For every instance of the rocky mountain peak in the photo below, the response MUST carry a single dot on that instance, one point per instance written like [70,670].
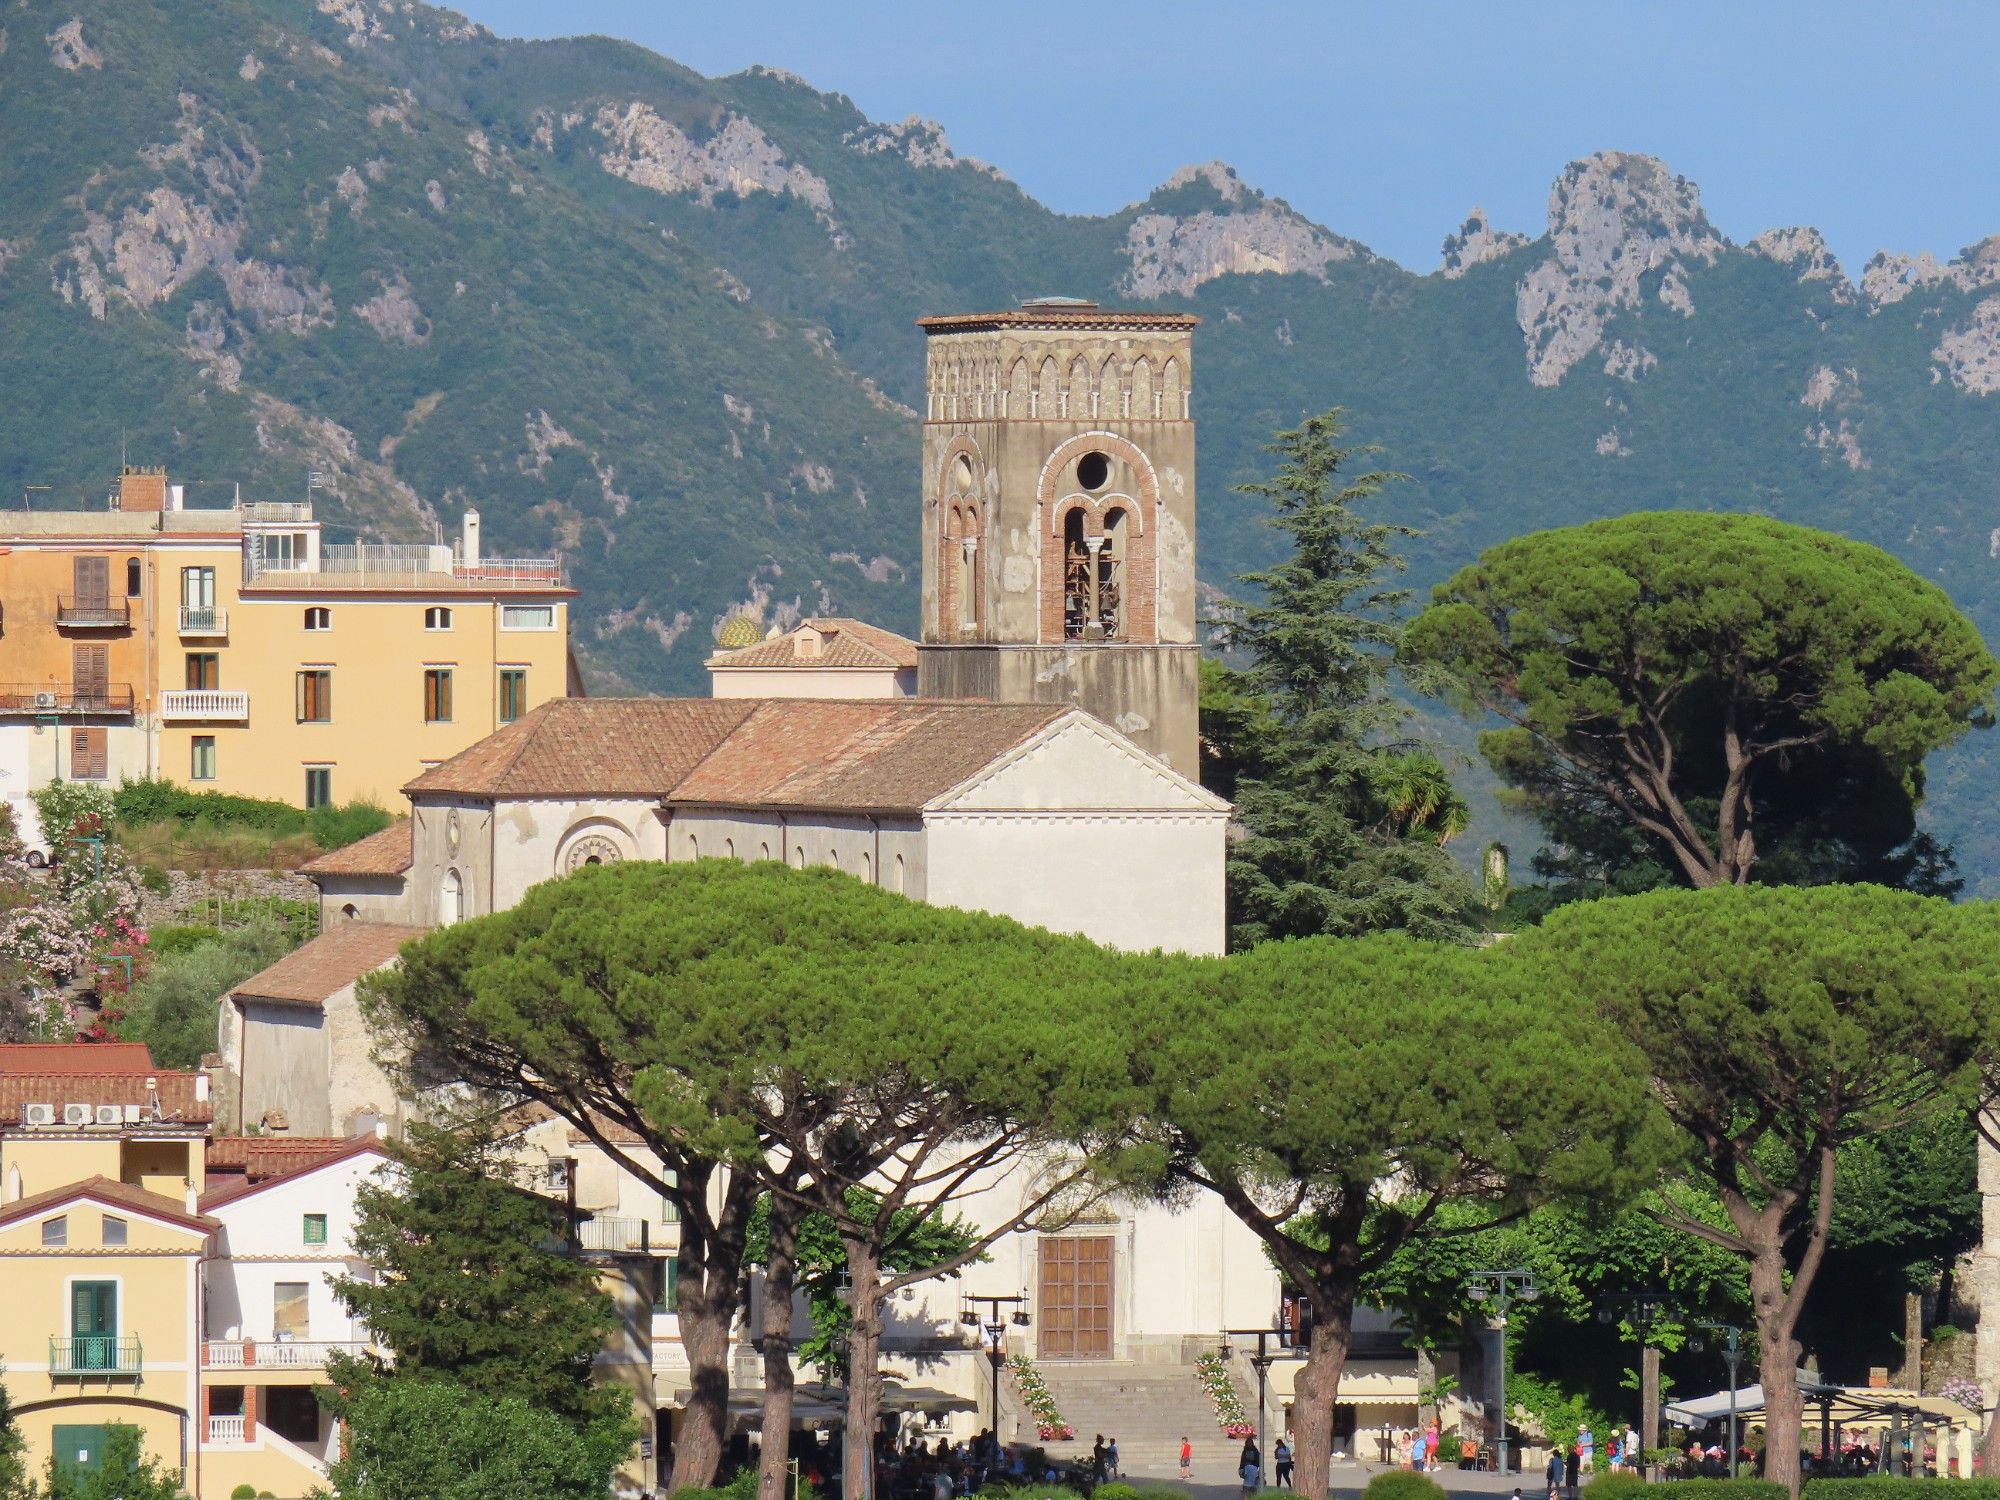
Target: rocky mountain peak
[1477,242]
[1217,174]
[1173,251]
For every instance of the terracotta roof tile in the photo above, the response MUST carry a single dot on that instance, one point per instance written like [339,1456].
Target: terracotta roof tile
[75,1057]
[267,1155]
[337,957]
[178,1104]
[868,754]
[113,1195]
[847,644]
[605,747]
[243,1187]
[386,852]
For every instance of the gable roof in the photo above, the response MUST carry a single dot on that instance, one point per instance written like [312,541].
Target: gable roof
[112,1195]
[233,1192]
[314,971]
[385,852]
[48,1058]
[180,1103]
[256,1157]
[604,747]
[845,644]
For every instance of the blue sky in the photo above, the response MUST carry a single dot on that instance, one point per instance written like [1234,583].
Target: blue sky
[1386,122]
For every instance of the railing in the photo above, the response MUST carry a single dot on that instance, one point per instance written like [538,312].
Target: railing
[205,703]
[610,1234]
[64,698]
[111,614]
[276,510]
[383,557]
[519,572]
[276,1354]
[204,619]
[227,1429]
[81,1356]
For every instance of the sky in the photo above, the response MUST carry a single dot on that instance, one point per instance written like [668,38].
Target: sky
[1388,121]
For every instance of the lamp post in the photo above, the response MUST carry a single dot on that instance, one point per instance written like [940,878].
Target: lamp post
[1731,1352]
[995,1328]
[1261,1362]
[1503,1289]
[1642,1310]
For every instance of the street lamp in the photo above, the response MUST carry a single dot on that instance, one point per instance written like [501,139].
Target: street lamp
[1642,1310]
[1731,1352]
[995,1328]
[1261,1362]
[1503,1289]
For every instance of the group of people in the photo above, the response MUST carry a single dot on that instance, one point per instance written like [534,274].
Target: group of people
[1250,1465]
[1570,1462]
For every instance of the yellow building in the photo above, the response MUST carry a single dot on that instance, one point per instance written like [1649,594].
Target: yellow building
[235,650]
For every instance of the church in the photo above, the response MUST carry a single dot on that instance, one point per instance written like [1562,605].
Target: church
[1043,724]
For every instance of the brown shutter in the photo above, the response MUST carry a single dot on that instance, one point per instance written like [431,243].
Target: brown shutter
[91,667]
[89,755]
[92,576]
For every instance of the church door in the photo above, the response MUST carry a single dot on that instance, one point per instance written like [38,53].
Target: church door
[1075,1310]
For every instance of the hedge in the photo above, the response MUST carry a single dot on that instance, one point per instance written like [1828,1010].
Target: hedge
[1887,1487]
[141,802]
[1403,1484]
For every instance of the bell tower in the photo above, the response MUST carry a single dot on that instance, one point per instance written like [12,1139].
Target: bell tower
[1059,516]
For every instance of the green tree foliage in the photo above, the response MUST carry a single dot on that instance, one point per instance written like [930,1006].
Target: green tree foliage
[1347,1098]
[332,827]
[1778,1025]
[1675,670]
[124,1473]
[1346,823]
[433,1439]
[471,1285]
[173,1009]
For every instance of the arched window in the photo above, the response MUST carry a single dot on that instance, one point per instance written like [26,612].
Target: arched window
[1079,404]
[134,578]
[833,858]
[1142,390]
[1111,575]
[968,574]
[1047,404]
[729,848]
[1078,585]
[451,895]
[1019,402]
[693,847]
[896,876]
[798,856]
[867,870]
[1111,390]
[764,850]
[349,912]
[1173,404]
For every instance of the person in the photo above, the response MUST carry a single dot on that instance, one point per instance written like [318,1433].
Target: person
[1571,1462]
[1249,1473]
[1431,1439]
[1635,1457]
[1586,1446]
[1614,1455]
[1250,1455]
[1282,1454]
[1097,1459]
[941,1486]
[1555,1474]
[1111,1458]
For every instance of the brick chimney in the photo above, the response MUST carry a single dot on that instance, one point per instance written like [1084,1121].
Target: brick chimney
[142,489]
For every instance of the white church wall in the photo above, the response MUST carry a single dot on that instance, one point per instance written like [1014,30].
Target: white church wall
[888,852]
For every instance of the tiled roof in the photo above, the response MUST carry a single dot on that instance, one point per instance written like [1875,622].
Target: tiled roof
[309,974]
[230,1191]
[75,1057]
[846,644]
[178,1104]
[260,1156]
[604,747]
[1058,315]
[384,853]
[113,1195]
[870,754]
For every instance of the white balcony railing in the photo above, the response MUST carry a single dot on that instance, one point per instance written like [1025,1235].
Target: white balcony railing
[204,619]
[276,1354]
[205,703]
[605,1233]
[226,1429]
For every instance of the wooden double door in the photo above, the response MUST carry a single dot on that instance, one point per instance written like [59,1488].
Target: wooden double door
[1074,1305]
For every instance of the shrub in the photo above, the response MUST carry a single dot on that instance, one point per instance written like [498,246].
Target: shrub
[1730,1489]
[1115,1491]
[1401,1484]
[244,1492]
[140,803]
[173,1009]
[1616,1486]
[1887,1487]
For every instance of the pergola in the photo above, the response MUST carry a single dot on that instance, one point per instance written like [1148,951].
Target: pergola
[1883,1411]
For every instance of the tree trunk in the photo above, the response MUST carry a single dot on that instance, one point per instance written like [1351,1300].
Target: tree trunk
[1913,1342]
[864,1376]
[1649,1402]
[1989,1447]
[1316,1388]
[780,1272]
[1778,1364]
[704,1319]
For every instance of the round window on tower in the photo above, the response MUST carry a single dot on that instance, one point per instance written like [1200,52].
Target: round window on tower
[1093,471]
[961,475]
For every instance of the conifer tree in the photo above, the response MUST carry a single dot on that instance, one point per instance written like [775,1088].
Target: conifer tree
[1346,821]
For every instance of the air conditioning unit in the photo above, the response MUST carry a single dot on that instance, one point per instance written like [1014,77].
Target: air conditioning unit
[110,1114]
[78,1114]
[134,1113]
[45,700]
[38,1114]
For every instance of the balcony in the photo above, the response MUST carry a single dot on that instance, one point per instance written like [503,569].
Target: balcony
[606,1235]
[82,613]
[65,698]
[275,1354]
[227,1429]
[206,704]
[204,619]
[94,1356]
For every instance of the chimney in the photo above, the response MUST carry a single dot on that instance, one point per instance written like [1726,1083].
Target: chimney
[176,497]
[201,1088]
[469,551]
[142,489]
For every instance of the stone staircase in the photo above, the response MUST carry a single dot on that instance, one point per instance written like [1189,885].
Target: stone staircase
[1149,1408]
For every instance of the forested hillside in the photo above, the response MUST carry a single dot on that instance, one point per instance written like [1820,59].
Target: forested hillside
[664,323]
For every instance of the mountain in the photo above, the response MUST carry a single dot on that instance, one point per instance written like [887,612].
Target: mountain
[663,323]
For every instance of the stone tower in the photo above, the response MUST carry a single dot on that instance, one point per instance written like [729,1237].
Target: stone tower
[1059,517]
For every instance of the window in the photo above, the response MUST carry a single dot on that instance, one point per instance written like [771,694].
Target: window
[93,1324]
[315,696]
[513,693]
[437,695]
[90,578]
[451,898]
[201,758]
[319,787]
[527,617]
[135,578]
[116,1231]
[204,671]
[289,1318]
[90,669]
[437,617]
[89,755]
[315,1227]
[667,1286]
[319,617]
[197,588]
[55,1231]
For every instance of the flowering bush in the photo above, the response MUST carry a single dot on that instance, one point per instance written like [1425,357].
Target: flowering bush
[1040,1401]
[1965,1392]
[1212,1371]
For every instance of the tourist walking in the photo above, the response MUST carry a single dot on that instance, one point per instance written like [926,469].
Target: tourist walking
[1187,1460]
[1555,1474]
[1097,1459]
[1250,1473]
[1111,1459]
[1282,1456]
[1574,1461]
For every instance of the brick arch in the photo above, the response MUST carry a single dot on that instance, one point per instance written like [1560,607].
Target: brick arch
[1139,604]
